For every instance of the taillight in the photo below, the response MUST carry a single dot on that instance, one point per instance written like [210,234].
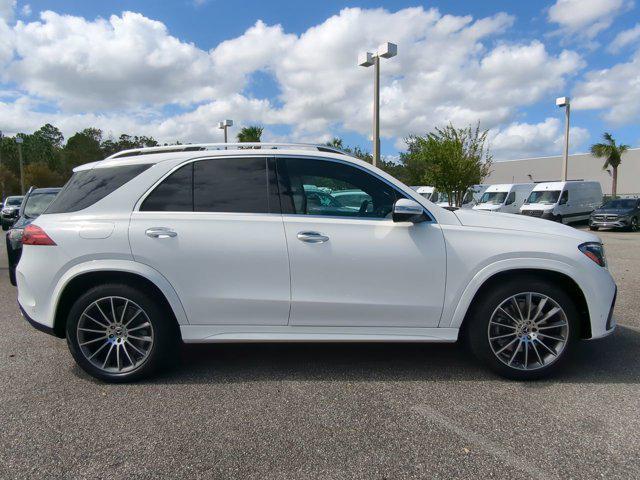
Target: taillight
[34,235]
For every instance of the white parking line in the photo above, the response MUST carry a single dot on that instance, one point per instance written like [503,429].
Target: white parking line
[498,450]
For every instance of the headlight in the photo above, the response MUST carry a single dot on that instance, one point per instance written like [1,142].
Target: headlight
[595,252]
[16,234]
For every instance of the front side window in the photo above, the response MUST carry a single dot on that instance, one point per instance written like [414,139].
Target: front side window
[231,185]
[565,197]
[323,187]
[87,187]
[511,198]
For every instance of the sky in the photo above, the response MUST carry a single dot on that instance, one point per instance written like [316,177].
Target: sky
[173,69]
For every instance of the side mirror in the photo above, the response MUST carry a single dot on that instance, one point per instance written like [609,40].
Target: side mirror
[406,210]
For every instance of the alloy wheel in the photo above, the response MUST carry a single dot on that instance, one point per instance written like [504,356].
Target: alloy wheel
[528,331]
[115,334]
[634,224]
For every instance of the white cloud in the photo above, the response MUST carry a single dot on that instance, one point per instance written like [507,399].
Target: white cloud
[7,10]
[624,38]
[117,74]
[586,18]
[520,140]
[615,89]
[25,11]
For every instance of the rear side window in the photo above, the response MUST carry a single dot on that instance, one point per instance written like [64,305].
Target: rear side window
[231,185]
[87,187]
[174,194]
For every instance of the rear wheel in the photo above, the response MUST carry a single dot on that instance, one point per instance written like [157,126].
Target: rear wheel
[524,329]
[633,226]
[117,333]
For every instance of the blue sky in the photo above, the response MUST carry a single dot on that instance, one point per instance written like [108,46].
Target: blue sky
[172,69]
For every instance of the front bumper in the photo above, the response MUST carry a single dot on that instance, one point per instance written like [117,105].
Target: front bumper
[620,223]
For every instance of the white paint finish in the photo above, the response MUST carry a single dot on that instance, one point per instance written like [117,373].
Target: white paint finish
[369,273]
[229,275]
[291,333]
[515,195]
[582,199]
[94,230]
[227,268]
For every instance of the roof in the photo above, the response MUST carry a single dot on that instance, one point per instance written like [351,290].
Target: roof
[159,154]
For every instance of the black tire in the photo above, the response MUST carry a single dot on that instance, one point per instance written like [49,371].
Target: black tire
[5,226]
[477,330]
[633,227]
[595,229]
[165,332]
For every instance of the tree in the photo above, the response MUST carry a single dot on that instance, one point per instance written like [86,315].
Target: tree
[250,134]
[50,134]
[41,176]
[448,158]
[612,153]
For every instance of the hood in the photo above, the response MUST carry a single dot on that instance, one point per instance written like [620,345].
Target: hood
[613,211]
[508,221]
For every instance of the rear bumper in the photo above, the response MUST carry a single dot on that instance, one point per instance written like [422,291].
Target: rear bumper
[36,325]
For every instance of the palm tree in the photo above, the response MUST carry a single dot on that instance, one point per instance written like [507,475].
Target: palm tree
[250,134]
[612,154]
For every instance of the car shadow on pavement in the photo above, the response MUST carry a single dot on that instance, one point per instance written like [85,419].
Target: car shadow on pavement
[611,360]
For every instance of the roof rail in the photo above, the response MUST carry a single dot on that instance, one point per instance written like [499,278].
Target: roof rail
[223,146]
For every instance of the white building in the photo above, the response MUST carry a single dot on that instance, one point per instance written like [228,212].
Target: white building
[582,166]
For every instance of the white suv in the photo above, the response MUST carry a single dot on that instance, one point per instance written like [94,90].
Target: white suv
[211,243]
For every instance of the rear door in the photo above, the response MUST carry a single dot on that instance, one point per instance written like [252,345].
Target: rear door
[213,228]
[352,266]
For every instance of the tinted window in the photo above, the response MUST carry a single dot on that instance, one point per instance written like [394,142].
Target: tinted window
[620,203]
[314,187]
[511,198]
[13,201]
[239,185]
[546,197]
[86,187]
[174,194]
[565,197]
[231,185]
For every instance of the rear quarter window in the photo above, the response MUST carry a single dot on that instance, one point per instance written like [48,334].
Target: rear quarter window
[87,187]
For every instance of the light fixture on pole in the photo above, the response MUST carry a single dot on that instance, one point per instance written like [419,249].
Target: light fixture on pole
[565,102]
[368,59]
[223,126]
[19,141]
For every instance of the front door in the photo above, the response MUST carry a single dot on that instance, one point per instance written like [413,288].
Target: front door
[213,229]
[351,265]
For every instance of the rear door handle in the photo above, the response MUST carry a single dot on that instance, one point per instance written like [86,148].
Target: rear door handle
[312,237]
[160,232]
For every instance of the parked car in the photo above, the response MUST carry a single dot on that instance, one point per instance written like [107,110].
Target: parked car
[564,202]
[617,213]
[10,209]
[150,247]
[35,202]
[506,198]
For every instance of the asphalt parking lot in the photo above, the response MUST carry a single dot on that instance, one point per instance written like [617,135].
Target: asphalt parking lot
[325,411]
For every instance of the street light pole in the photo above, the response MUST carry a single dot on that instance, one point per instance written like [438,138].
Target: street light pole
[223,126]
[566,103]
[19,141]
[368,59]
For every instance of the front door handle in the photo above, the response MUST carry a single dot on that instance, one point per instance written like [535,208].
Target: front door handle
[312,237]
[160,232]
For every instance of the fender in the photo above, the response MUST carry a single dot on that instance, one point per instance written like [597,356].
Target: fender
[127,266]
[488,271]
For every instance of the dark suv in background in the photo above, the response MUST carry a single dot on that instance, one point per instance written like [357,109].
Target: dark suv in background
[35,202]
[617,213]
[10,209]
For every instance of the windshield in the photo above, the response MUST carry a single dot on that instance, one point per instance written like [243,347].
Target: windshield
[13,201]
[37,203]
[546,197]
[620,203]
[493,198]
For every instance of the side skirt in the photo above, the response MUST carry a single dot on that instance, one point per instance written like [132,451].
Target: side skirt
[289,333]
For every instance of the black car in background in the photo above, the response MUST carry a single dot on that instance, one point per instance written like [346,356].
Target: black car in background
[10,209]
[617,213]
[35,202]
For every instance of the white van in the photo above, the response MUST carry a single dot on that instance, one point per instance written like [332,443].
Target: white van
[565,202]
[473,195]
[425,190]
[506,198]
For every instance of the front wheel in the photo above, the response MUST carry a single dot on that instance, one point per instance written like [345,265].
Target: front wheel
[595,229]
[117,333]
[633,227]
[523,330]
